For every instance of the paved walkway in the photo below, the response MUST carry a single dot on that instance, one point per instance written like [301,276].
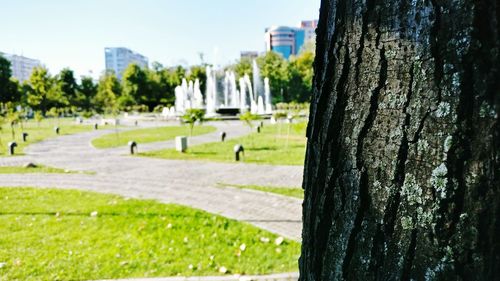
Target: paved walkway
[190,183]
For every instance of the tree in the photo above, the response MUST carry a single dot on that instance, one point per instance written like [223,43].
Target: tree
[199,72]
[161,87]
[108,91]
[273,66]
[8,87]
[192,116]
[402,165]
[244,66]
[300,77]
[38,116]
[12,117]
[67,85]
[40,92]
[134,87]
[248,118]
[85,93]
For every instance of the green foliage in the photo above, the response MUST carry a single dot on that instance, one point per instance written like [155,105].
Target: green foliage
[86,93]
[300,71]
[248,118]
[289,81]
[67,86]
[53,112]
[135,88]
[44,92]
[108,91]
[192,116]
[198,72]
[9,91]
[12,118]
[242,67]
[38,116]
[76,235]
[274,66]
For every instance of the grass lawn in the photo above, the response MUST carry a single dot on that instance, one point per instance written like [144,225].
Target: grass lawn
[27,170]
[296,192]
[148,135]
[50,234]
[272,146]
[38,132]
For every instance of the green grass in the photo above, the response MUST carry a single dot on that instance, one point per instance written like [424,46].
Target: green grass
[50,234]
[148,135]
[38,132]
[27,170]
[271,146]
[296,192]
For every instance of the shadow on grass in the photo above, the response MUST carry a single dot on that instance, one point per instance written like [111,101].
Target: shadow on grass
[201,153]
[81,214]
[264,148]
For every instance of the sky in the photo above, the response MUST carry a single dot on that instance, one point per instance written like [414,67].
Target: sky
[74,33]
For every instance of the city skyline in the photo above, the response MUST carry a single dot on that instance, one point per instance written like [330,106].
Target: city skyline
[74,35]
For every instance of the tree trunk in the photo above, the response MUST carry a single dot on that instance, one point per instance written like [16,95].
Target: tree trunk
[402,169]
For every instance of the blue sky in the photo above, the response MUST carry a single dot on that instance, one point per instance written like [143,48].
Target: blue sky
[73,33]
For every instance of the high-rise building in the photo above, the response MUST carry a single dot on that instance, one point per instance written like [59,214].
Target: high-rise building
[117,60]
[21,66]
[309,27]
[287,40]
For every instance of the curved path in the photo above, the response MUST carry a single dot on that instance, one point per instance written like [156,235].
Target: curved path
[190,183]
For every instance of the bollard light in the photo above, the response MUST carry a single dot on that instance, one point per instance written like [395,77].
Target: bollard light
[223,136]
[12,146]
[133,147]
[25,136]
[237,150]
[56,129]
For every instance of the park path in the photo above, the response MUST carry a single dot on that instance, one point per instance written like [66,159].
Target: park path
[190,183]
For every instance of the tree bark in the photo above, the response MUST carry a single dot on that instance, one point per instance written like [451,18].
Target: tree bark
[402,168]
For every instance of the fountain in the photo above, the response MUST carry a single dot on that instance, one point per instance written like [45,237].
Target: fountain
[243,96]
[251,95]
[210,92]
[267,95]
[197,95]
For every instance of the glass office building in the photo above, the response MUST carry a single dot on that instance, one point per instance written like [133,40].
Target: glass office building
[288,41]
[117,60]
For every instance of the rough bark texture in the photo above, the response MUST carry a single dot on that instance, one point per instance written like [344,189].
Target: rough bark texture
[402,169]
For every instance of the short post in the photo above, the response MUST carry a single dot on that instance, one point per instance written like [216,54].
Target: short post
[133,147]
[258,129]
[56,129]
[12,145]
[223,136]
[262,124]
[136,123]
[96,126]
[181,143]
[25,136]
[237,150]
